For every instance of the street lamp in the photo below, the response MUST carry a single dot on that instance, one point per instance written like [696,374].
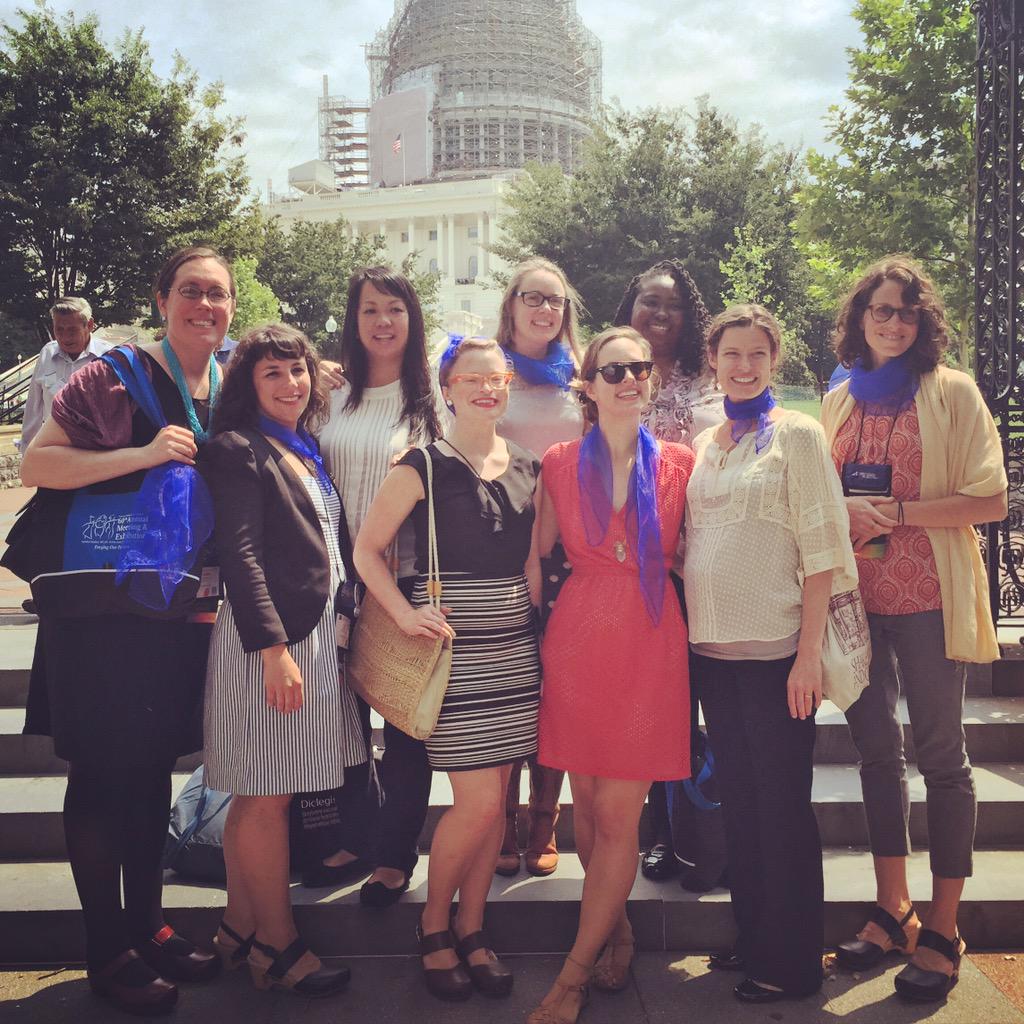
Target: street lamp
[331,327]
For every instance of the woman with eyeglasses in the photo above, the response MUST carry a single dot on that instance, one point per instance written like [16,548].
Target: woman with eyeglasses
[766,545]
[537,328]
[664,304]
[483,496]
[388,402]
[921,464]
[121,694]
[615,707]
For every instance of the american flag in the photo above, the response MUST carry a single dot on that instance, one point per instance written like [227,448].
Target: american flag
[396,146]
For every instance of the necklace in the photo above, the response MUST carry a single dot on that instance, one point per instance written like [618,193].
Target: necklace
[466,461]
[201,435]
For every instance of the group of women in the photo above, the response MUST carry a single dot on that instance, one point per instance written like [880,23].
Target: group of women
[706,529]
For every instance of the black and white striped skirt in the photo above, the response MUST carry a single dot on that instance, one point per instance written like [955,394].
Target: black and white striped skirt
[489,715]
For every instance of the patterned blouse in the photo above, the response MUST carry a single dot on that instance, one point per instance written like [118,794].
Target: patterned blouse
[906,580]
[683,406]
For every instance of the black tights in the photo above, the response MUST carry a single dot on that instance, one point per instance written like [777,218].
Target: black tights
[115,825]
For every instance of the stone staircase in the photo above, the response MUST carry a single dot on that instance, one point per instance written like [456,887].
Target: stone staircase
[40,921]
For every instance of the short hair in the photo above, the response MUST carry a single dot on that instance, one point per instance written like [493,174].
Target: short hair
[165,275]
[239,407]
[918,290]
[588,368]
[447,367]
[417,390]
[745,314]
[570,314]
[71,305]
[689,354]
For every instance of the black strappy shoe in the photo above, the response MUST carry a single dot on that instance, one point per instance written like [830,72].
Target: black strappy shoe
[295,969]
[859,954]
[921,986]
[231,947]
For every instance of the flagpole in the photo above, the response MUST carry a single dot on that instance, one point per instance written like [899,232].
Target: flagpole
[403,166]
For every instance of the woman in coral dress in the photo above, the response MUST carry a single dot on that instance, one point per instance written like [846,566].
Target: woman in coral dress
[615,705]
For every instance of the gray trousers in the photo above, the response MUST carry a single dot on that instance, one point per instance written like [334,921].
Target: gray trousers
[934,688]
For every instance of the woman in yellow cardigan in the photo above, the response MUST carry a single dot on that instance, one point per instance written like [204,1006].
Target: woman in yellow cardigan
[921,463]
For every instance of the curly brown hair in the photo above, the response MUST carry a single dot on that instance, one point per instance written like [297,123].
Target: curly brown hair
[239,407]
[696,318]
[918,290]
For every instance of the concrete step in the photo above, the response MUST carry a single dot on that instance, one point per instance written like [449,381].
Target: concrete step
[31,809]
[40,919]
[994,728]
[1008,672]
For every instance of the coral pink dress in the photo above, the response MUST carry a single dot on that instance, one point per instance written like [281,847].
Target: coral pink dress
[616,694]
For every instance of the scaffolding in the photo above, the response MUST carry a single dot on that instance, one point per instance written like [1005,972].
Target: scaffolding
[343,140]
[514,81]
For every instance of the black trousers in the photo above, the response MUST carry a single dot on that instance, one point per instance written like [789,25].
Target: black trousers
[764,763]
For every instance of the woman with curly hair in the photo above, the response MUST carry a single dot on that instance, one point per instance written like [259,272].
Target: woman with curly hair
[664,304]
[921,463]
[279,719]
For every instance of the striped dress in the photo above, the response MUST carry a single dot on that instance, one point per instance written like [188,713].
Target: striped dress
[254,750]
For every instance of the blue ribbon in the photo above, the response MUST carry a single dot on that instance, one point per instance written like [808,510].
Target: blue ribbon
[743,415]
[556,368]
[300,443]
[643,530]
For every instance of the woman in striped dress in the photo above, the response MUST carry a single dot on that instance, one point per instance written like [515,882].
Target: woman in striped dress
[483,493]
[278,719]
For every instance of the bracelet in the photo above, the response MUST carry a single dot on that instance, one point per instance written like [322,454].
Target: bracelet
[899,514]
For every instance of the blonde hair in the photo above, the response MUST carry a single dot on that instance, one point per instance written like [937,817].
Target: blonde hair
[446,369]
[588,367]
[570,314]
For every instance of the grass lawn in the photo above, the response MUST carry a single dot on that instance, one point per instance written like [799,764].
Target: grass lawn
[811,406]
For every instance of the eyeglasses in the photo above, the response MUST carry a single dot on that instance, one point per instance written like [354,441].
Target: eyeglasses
[882,313]
[497,381]
[217,296]
[539,298]
[615,373]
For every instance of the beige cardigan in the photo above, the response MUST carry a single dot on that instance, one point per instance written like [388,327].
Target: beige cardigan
[961,454]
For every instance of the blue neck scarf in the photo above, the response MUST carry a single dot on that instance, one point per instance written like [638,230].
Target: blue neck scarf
[889,389]
[643,531]
[300,443]
[556,368]
[744,415]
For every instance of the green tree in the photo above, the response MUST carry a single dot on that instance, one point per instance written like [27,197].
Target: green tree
[257,304]
[653,185]
[903,178]
[308,267]
[104,166]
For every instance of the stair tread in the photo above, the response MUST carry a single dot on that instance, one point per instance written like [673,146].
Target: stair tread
[833,783]
[48,885]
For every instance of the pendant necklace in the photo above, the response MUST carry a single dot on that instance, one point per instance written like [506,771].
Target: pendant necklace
[178,374]
[619,546]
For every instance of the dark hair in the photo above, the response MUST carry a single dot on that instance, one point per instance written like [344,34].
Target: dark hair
[696,319]
[588,369]
[238,406]
[571,314]
[918,290]
[746,314]
[165,276]
[417,389]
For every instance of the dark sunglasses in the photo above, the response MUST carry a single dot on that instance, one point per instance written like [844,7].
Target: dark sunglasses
[615,373]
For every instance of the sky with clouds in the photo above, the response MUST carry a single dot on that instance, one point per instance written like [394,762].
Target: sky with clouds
[779,63]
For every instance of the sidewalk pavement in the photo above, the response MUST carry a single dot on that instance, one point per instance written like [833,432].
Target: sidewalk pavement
[666,989]
[12,590]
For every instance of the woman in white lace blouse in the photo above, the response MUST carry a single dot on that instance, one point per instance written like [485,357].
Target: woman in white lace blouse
[766,544]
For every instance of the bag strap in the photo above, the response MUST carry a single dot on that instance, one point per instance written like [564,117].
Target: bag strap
[433,568]
[137,383]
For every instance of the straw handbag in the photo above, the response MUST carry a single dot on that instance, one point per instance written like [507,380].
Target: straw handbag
[403,677]
[846,650]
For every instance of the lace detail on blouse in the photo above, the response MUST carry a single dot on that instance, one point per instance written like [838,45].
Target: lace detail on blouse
[682,407]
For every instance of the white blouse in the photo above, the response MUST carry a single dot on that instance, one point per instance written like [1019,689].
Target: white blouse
[756,524]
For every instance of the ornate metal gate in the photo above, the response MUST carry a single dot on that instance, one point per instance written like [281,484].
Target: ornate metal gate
[999,275]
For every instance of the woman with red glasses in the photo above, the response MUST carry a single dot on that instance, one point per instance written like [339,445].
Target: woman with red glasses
[921,463]
[615,709]
[537,328]
[483,496]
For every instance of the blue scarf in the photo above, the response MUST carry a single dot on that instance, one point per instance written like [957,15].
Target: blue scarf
[745,414]
[643,531]
[556,368]
[889,389]
[300,443]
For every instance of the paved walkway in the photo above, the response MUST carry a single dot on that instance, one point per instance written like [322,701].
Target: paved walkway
[12,590]
[666,989]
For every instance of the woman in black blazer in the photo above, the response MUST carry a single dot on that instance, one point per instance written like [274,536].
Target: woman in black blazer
[278,719]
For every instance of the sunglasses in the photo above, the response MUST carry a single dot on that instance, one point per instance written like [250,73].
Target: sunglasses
[615,373]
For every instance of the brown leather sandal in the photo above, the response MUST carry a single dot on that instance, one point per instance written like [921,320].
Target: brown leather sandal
[610,973]
[492,978]
[554,1009]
